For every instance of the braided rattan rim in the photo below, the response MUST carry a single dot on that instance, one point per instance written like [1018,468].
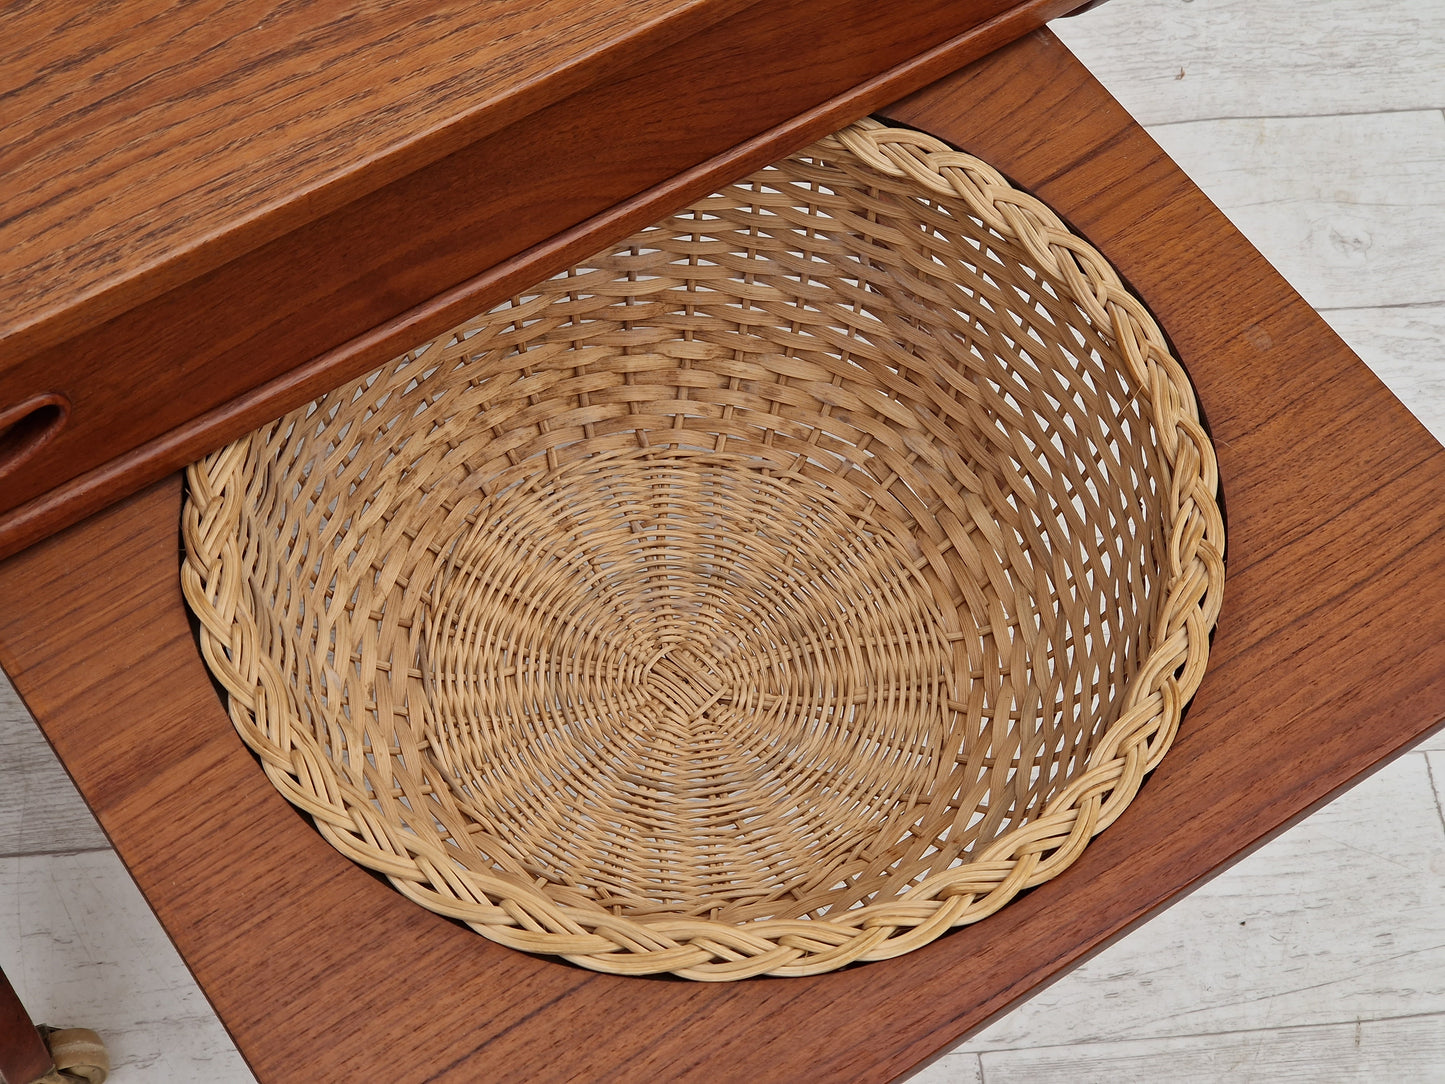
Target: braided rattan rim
[534,916]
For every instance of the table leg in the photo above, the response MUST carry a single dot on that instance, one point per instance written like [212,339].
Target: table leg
[23,1055]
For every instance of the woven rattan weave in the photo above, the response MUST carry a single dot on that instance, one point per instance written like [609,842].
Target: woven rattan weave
[802,578]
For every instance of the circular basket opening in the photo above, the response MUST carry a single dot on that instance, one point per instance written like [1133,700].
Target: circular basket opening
[800,579]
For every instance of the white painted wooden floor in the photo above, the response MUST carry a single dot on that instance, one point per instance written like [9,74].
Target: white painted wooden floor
[1319,129]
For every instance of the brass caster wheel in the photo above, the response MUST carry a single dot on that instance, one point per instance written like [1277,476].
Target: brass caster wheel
[78,1054]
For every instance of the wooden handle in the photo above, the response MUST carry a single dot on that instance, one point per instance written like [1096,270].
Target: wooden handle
[29,425]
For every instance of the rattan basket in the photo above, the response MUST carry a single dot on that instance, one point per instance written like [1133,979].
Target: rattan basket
[802,578]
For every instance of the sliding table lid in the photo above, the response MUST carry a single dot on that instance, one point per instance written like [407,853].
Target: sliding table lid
[144,142]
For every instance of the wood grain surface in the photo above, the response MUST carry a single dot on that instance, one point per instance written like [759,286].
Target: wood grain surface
[1329,657]
[186,258]
[150,141]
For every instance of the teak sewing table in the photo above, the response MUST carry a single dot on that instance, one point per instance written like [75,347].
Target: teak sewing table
[1328,659]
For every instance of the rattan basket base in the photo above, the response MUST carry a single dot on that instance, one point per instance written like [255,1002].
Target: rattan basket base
[799,580]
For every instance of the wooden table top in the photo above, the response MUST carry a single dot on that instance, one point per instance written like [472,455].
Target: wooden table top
[1329,657]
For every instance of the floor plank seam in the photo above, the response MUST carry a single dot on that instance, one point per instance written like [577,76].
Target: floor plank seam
[1368,308]
[1434,789]
[1273,1029]
[1152,125]
[67,852]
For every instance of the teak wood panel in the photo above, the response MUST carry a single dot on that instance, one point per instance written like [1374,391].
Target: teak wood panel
[353,255]
[146,142]
[1329,657]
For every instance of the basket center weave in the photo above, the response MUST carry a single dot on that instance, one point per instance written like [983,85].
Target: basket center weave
[678,680]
